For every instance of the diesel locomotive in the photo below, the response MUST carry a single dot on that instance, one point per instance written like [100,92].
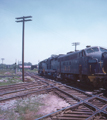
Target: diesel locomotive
[88,66]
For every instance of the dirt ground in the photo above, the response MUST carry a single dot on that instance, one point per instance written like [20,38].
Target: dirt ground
[52,104]
[31,107]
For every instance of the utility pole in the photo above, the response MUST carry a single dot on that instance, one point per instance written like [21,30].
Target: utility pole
[23,20]
[2,62]
[75,44]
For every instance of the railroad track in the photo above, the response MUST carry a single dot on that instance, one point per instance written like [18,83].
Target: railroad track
[83,106]
[22,89]
[93,108]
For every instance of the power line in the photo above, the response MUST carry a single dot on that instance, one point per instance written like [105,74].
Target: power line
[23,20]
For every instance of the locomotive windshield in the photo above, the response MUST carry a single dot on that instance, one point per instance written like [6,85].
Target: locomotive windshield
[91,50]
[103,49]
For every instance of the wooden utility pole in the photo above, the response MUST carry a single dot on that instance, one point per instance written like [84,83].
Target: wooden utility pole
[2,62]
[75,44]
[23,20]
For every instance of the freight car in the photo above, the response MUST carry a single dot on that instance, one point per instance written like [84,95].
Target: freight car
[88,65]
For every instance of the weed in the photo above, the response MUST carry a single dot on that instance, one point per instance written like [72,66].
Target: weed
[9,81]
[34,70]
[25,109]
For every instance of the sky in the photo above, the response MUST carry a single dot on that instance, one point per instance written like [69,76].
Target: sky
[55,25]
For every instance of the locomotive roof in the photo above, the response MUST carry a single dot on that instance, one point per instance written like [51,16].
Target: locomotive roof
[53,57]
[76,52]
[91,47]
[50,58]
[68,54]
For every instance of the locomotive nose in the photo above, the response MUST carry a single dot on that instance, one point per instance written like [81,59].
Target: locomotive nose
[105,63]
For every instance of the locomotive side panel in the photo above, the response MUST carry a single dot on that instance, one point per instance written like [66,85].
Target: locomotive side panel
[88,65]
[42,66]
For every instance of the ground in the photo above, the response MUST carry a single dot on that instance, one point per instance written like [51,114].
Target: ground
[31,107]
[28,108]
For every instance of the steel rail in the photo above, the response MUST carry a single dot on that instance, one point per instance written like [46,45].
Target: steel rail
[84,101]
[32,92]
[56,112]
[24,89]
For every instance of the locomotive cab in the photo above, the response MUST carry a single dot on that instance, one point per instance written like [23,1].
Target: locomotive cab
[104,58]
[97,65]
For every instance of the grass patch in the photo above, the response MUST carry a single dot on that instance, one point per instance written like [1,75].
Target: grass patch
[6,72]
[34,70]
[25,109]
[10,80]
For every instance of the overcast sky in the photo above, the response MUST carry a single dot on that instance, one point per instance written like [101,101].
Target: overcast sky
[55,25]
